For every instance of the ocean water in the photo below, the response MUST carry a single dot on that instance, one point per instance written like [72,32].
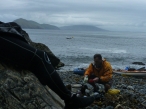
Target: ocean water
[119,48]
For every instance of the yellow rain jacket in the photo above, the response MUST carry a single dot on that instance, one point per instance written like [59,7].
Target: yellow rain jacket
[104,73]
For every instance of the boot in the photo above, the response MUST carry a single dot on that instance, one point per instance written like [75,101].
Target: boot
[107,87]
[79,102]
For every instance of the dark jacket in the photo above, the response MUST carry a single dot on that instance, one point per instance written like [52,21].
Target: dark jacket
[14,30]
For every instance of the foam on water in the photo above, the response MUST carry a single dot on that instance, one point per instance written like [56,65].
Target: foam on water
[109,50]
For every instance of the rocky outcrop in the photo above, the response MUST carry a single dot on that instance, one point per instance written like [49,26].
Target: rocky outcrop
[20,89]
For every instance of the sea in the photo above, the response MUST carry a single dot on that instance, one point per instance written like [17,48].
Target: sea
[77,48]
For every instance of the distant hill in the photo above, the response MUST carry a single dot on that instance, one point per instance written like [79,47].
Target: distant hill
[28,24]
[82,28]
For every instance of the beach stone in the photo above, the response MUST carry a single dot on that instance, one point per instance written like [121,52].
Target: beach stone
[123,86]
[109,107]
[144,103]
[142,91]
[138,63]
[131,93]
[119,107]
[130,87]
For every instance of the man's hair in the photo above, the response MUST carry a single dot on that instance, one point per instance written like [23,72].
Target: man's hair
[98,56]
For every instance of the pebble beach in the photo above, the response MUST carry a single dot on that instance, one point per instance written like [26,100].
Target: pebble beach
[132,91]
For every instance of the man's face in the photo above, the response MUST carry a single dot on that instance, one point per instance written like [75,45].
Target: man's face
[98,62]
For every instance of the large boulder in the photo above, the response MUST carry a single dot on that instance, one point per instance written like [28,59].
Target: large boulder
[20,89]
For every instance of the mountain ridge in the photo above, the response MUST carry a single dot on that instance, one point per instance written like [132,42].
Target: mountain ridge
[30,24]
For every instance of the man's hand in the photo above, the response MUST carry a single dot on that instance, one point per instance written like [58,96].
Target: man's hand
[86,79]
[91,81]
[96,79]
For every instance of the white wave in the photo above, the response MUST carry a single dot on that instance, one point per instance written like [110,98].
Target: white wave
[111,50]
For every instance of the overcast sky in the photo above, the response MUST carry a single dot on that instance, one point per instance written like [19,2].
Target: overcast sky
[116,15]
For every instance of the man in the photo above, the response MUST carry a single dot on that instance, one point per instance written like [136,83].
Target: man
[99,72]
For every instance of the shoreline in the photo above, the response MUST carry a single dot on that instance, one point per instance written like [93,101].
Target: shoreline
[132,91]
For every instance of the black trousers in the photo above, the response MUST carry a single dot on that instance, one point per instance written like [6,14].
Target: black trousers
[20,54]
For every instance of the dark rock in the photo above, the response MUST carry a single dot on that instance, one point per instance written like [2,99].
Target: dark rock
[22,90]
[138,63]
[109,107]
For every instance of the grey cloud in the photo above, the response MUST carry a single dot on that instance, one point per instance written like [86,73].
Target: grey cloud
[105,13]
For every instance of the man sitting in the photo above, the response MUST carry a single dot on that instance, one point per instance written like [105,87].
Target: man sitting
[99,72]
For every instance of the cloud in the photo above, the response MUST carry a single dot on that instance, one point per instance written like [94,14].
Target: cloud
[105,13]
